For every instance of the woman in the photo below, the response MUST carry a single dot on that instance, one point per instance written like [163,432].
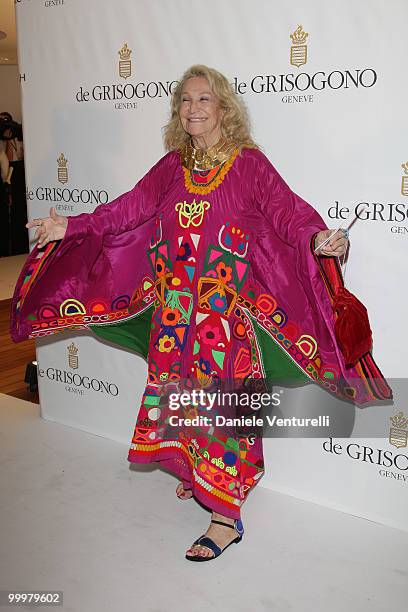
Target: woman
[4,205]
[227,287]
[11,142]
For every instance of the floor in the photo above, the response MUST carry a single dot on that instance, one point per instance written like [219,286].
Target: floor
[13,357]
[10,268]
[76,516]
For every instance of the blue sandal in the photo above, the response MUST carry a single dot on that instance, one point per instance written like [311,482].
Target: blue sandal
[209,543]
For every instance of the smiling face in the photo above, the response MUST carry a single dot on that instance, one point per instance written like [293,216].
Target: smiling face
[200,112]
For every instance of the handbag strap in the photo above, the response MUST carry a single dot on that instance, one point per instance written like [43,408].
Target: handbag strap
[343,266]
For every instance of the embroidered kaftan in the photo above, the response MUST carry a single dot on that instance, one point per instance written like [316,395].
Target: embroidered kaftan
[211,277]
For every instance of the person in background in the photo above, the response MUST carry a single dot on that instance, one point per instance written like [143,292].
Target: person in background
[11,144]
[4,209]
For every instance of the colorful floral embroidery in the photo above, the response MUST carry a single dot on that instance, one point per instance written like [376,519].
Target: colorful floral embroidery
[166,343]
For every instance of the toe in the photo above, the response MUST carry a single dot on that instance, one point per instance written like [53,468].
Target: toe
[183,493]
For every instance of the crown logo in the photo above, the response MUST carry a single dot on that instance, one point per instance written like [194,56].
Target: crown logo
[398,432]
[62,161]
[298,50]
[125,52]
[299,36]
[125,63]
[73,360]
[62,169]
[404,179]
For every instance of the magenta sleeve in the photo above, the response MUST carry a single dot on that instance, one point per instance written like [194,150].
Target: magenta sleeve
[292,218]
[124,213]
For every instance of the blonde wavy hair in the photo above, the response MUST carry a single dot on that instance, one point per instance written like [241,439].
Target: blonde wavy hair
[235,121]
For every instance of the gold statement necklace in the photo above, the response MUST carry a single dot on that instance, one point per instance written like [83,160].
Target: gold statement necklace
[205,169]
[205,159]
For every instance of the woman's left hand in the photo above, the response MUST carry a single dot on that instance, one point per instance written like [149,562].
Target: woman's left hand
[336,246]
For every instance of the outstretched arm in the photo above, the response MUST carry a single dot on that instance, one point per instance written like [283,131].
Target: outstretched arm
[121,215]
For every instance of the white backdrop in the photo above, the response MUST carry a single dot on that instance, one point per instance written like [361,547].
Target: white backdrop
[332,122]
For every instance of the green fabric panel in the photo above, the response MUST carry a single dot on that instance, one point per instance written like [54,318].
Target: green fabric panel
[278,365]
[132,334]
[150,400]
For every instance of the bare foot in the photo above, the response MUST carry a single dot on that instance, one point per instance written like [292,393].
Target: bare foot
[220,534]
[183,493]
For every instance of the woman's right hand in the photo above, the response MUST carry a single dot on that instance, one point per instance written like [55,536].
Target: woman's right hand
[49,228]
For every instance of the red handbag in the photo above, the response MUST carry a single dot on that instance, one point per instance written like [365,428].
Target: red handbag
[352,327]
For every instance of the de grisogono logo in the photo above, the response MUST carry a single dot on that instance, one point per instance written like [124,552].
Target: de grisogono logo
[404,179]
[66,198]
[389,464]
[398,436]
[74,381]
[298,50]
[124,95]
[301,87]
[393,214]
[51,3]
[125,63]
[62,169]
[73,357]
[47,3]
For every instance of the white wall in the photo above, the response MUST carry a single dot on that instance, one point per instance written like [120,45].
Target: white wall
[10,94]
[332,144]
